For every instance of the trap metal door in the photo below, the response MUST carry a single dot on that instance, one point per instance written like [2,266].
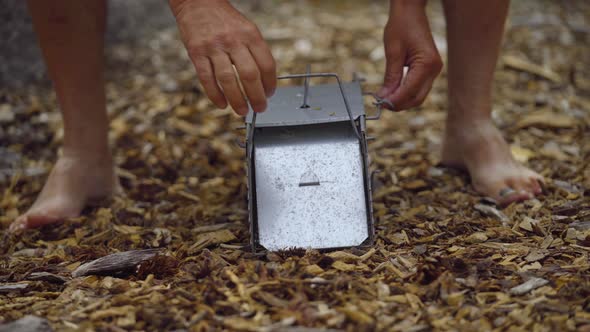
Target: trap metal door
[309,189]
[308,169]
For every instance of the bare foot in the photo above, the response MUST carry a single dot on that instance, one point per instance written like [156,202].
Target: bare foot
[76,180]
[482,151]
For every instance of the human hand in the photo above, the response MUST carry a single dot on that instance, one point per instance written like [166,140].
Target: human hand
[218,36]
[408,42]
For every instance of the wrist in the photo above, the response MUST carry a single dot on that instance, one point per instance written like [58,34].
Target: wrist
[397,5]
[177,5]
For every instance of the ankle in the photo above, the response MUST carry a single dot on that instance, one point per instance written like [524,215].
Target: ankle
[90,145]
[466,112]
[459,126]
[99,156]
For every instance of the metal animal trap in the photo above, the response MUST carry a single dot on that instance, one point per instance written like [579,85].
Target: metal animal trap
[309,184]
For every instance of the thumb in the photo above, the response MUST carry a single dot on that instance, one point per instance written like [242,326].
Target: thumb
[394,72]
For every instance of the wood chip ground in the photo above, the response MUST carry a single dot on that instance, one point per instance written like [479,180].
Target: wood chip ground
[443,260]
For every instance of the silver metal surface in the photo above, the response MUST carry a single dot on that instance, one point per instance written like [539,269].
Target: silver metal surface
[326,105]
[378,103]
[286,118]
[309,187]
[306,87]
[309,184]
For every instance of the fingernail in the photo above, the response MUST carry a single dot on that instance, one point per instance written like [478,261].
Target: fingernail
[382,93]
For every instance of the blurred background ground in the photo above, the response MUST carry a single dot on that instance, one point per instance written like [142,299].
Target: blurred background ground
[442,260]
[20,60]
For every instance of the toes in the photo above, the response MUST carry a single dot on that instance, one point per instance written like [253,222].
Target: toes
[508,196]
[504,192]
[531,185]
[535,186]
[537,182]
[19,224]
[38,220]
[535,175]
[520,188]
[527,181]
[530,182]
[518,183]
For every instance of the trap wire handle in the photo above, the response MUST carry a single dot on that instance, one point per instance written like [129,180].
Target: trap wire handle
[306,87]
[379,102]
[307,76]
[346,103]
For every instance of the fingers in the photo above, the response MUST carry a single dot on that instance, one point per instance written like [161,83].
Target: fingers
[414,87]
[208,80]
[258,78]
[257,73]
[228,81]
[251,79]
[266,64]
[217,37]
[394,72]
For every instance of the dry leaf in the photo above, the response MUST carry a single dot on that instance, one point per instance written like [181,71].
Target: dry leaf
[528,286]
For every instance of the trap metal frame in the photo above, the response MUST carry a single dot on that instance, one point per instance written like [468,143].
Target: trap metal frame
[355,116]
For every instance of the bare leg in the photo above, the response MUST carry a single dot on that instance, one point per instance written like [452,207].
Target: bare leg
[71,36]
[474,33]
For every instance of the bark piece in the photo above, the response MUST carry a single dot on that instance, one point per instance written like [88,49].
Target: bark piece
[520,64]
[13,287]
[121,262]
[580,225]
[547,119]
[46,276]
[491,211]
[528,286]
[305,329]
[477,237]
[28,323]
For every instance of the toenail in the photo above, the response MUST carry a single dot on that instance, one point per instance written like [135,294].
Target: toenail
[506,192]
[541,186]
[16,227]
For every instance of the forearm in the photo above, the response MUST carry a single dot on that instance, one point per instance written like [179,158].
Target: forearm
[404,5]
[177,5]
[221,42]
[408,43]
